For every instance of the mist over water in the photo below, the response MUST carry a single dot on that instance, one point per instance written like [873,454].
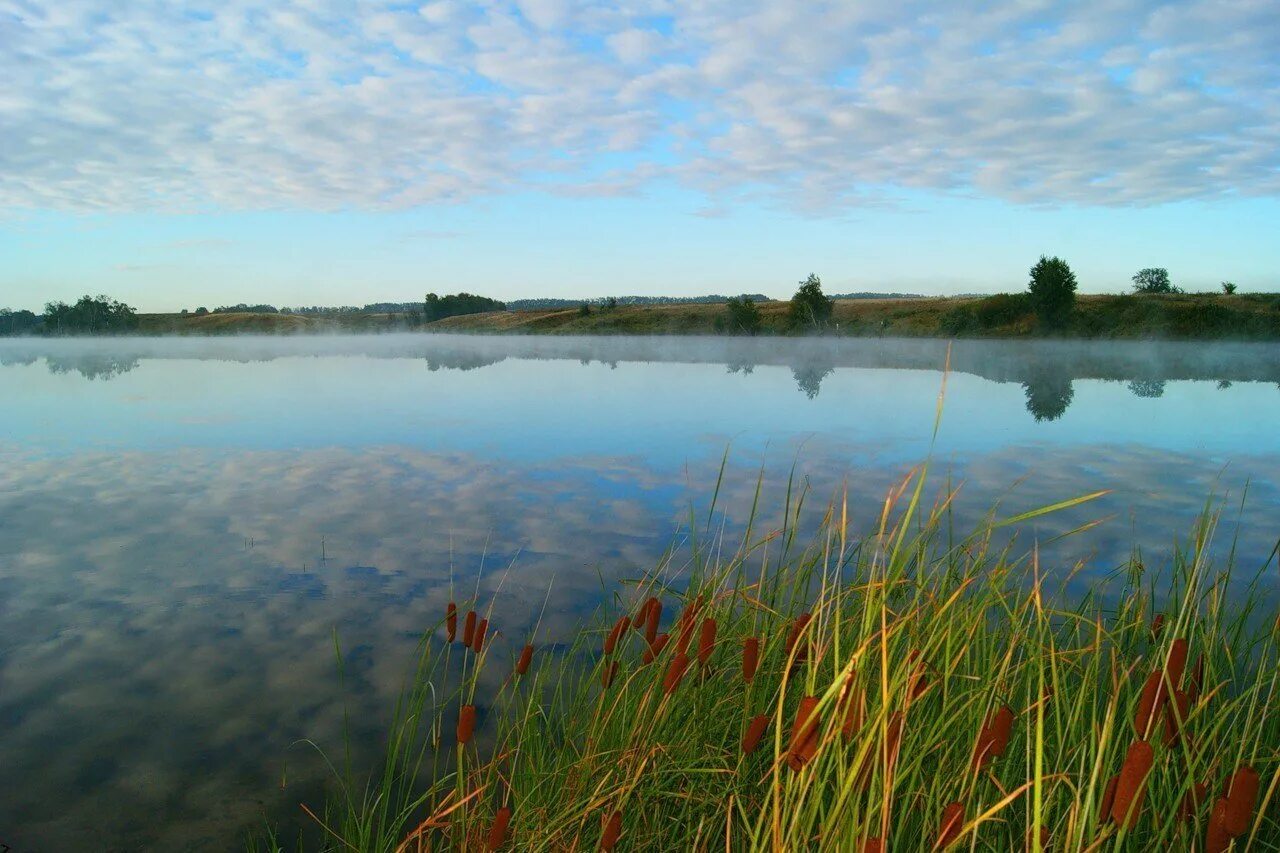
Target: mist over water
[185,522]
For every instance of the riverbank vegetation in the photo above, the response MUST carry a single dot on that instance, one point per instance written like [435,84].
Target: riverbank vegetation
[915,689]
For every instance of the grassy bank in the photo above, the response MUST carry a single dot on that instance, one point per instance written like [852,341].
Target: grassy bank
[913,690]
[1174,316]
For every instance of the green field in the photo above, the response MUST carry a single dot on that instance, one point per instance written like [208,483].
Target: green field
[1175,316]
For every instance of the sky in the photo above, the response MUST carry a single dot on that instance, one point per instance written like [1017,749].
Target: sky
[324,152]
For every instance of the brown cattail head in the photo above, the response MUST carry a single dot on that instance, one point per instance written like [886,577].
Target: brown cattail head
[1216,838]
[706,641]
[797,630]
[1108,799]
[1191,802]
[607,673]
[755,731]
[498,831]
[651,620]
[750,658]
[950,825]
[526,658]
[1150,702]
[687,622]
[466,723]
[611,832]
[469,628]
[478,643]
[642,615]
[611,641]
[1131,786]
[993,738]
[873,845]
[451,620]
[1176,662]
[804,734]
[1241,794]
[675,673]
[1175,717]
[1157,625]
[854,708]
[919,682]
[655,648]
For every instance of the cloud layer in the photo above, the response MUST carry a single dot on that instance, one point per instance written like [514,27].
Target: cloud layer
[324,104]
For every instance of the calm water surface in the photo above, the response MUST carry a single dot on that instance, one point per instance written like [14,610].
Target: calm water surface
[185,523]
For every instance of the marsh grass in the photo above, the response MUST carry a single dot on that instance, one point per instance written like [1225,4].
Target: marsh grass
[912,688]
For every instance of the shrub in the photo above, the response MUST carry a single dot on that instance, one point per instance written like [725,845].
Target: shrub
[742,316]
[1228,287]
[1052,290]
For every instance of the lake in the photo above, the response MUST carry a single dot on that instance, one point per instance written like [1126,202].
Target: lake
[186,524]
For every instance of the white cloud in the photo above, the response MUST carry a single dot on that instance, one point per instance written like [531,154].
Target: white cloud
[328,103]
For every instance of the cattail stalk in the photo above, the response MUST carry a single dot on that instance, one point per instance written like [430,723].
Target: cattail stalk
[755,731]
[675,673]
[466,723]
[804,734]
[1241,794]
[1131,786]
[706,641]
[612,831]
[951,824]
[498,831]
[611,641]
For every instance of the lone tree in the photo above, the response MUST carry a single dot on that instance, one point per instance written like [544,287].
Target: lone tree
[743,315]
[810,306]
[1152,280]
[1228,287]
[1052,290]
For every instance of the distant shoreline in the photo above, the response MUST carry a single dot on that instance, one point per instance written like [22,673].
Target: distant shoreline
[1208,317]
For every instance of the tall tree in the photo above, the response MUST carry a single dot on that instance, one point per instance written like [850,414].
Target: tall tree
[810,307]
[1152,280]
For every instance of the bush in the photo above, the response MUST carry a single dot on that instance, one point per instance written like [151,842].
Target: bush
[743,317]
[1052,290]
[810,307]
[1228,287]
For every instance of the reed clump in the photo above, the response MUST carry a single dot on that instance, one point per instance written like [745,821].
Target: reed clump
[907,689]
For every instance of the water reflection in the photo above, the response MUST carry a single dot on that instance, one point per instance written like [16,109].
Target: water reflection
[1045,369]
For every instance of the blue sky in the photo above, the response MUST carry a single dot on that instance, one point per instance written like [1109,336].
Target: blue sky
[329,152]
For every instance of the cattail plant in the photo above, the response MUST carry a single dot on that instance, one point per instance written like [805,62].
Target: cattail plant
[1175,716]
[612,831]
[1108,798]
[675,673]
[1191,801]
[1176,662]
[611,641]
[993,737]
[1131,785]
[478,640]
[804,734]
[526,658]
[1217,838]
[469,628]
[1150,703]
[950,825]
[641,618]
[794,644]
[655,648]
[853,702]
[1157,625]
[706,641]
[750,658]
[1241,793]
[651,620]
[607,673]
[873,845]
[451,620]
[498,831]
[466,723]
[755,731]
